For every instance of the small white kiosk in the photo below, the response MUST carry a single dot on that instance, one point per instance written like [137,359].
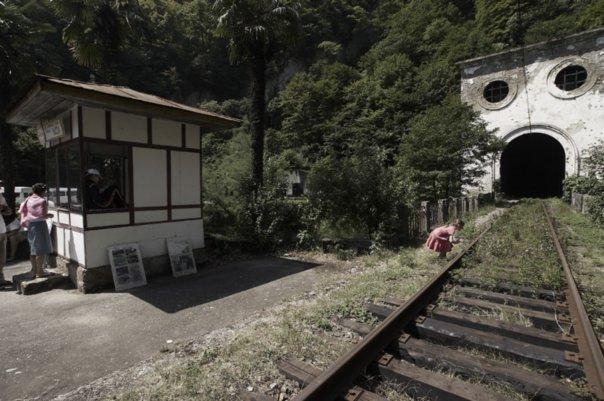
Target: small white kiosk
[145,148]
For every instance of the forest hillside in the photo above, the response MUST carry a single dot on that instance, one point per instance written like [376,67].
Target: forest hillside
[365,99]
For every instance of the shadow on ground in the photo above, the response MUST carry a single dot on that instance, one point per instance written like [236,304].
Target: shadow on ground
[172,294]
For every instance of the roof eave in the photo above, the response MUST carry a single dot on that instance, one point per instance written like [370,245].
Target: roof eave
[86,97]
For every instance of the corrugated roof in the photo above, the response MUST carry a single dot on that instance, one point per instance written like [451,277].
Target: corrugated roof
[125,92]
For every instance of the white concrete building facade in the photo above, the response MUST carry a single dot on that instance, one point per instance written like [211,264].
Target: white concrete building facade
[546,102]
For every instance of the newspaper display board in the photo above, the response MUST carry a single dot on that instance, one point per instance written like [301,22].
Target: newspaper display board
[181,257]
[127,266]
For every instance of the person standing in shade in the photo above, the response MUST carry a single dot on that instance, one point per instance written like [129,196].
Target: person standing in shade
[5,210]
[34,212]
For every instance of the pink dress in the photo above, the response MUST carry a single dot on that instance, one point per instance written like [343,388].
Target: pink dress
[439,241]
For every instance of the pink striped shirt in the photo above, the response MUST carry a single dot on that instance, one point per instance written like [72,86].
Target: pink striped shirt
[35,208]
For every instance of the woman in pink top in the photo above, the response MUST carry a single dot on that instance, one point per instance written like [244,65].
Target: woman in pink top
[440,238]
[34,212]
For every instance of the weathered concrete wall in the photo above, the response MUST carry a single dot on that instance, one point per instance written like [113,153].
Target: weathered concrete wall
[534,103]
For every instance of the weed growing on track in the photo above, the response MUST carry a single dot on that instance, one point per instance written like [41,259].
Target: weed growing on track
[517,250]
[583,242]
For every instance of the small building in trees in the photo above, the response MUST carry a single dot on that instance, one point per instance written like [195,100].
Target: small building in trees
[546,102]
[296,183]
[146,153]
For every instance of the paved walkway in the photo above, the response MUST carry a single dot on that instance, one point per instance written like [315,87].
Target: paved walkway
[58,340]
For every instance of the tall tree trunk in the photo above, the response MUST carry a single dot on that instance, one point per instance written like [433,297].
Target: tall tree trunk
[257,118]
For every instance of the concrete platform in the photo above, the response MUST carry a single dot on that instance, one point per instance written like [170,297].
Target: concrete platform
[58,340]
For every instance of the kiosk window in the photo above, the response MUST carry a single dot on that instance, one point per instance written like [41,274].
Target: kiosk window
[51,177]
[106,173]
[63,177]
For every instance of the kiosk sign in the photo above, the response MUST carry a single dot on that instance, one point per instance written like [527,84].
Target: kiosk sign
[181,257]
[53,129]
[127,266]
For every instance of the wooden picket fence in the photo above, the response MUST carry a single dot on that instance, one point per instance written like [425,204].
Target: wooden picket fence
[429,215]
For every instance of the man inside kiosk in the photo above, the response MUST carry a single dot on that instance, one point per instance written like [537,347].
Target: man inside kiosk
[99,196]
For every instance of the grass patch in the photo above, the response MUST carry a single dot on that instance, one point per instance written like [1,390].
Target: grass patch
[301,328]
[583,242]
[518,250]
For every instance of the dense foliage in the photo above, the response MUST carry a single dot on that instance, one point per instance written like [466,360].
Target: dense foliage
[591,183]
[366,99]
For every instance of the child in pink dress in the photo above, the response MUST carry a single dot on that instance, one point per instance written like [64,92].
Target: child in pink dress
[440,238]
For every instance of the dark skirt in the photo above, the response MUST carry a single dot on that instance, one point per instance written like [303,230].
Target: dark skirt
[39,238]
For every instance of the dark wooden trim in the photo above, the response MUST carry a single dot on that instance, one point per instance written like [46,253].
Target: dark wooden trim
[150,208]
[68,227]
[70,124]
[169,182]
[184,135]
[149,131]
[141,145]
[201,170]
[61,144]
[140,209]
[103,211]
[82,166]
[131,184]
[108,124]
[140,224]
[185,206]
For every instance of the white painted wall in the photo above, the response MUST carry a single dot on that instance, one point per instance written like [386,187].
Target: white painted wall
[70,244]
[150,216]
[193,137]
[181,214]
[77,220]
[577,123]
[150,176]
[167,133]
[185,178]
[107,219]
[128,127]
[150,237]
[93,122]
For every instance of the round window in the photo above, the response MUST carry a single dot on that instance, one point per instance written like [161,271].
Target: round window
[571,77]
[496,91]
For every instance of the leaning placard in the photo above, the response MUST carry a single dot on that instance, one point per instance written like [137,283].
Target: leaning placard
[127,266]
[181,257]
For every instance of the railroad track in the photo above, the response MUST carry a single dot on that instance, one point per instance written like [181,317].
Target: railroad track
[424,347]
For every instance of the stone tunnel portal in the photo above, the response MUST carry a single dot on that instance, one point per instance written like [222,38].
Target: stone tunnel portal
[532,165]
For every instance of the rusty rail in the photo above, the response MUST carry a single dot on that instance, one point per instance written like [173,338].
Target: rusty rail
[339,377]
[590,352]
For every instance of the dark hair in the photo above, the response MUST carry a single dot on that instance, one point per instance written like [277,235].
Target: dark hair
[38,188]
[459,223]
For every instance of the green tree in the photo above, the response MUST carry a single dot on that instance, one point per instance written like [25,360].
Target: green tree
[26,43]
[95,29]
[255,29]
[440,155]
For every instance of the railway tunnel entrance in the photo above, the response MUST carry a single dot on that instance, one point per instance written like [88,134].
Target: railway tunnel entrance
[533,165]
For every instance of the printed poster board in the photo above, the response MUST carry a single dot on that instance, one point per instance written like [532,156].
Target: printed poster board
[181,257]
[127,266]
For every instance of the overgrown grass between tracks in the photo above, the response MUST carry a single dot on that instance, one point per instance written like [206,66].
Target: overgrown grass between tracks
[301,328]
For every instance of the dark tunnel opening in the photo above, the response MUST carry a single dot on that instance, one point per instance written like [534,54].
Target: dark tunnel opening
[533,166]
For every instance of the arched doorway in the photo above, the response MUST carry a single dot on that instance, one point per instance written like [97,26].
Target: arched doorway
[533,165]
